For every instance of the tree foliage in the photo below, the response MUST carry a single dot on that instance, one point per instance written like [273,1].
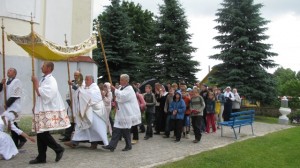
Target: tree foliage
[144,34]
[244,54]
[117,38]
[144,46]
[288,82]
[174,48]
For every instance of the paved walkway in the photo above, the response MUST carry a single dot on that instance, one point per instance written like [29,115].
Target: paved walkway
[144,154]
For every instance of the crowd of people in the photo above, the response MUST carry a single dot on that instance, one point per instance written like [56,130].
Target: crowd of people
[97,112]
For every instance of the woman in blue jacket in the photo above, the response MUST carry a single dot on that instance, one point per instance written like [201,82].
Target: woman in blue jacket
[177,108]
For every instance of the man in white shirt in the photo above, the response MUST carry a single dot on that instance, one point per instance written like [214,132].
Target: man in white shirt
[127,114]
[49,114]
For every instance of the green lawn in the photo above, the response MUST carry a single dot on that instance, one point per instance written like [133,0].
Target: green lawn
[279,149]
[269,120]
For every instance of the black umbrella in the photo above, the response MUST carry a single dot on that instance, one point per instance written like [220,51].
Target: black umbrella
[150,82]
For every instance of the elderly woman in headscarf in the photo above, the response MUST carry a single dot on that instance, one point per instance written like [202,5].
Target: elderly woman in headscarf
[107,99]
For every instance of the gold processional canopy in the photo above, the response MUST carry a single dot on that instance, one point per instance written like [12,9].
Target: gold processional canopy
[46,50]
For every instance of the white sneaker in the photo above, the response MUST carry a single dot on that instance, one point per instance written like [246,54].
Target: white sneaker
[187,136]
[134,142]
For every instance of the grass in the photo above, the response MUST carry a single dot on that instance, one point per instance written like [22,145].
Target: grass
[279,149]
[269,120]
[25,124]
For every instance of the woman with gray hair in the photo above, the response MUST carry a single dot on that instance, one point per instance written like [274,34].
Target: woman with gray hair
[236,104]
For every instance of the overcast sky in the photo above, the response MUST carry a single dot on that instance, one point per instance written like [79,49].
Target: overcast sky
[284,28]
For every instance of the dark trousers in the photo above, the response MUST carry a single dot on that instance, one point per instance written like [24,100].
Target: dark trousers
[142,127]
[111,121]
[168,127]
[149,120]
[178,124]
[117,134]
[17,138]
[227,110]
[45,140]
[158,119]
[69,131]
[203,125]
[235,110]
[196,123]
[135,132]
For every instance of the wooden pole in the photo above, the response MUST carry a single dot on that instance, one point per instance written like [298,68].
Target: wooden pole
[103,53]
[32,69]
[3,61]
[69,78]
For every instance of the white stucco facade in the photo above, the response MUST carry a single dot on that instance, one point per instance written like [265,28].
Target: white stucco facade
[52,20]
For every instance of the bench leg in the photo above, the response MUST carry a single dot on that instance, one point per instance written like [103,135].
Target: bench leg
[252,129]
[234,133]
[221,130]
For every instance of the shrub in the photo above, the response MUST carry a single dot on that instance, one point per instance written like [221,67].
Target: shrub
[295,117]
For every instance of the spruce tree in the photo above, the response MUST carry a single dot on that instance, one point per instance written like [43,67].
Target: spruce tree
[119,47]
[174,49]
[244,54]
[143,28]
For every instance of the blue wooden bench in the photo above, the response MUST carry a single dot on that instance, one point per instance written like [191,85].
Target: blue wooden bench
[237,120]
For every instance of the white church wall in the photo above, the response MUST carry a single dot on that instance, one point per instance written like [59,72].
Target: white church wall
[52,21]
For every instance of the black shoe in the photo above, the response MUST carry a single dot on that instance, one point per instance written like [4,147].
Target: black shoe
[108,148]
[175,141]
[100,143]
[64,139]
[156,133]
[146,138]
[59,155]
[36,161]
[126,149]
[21,144]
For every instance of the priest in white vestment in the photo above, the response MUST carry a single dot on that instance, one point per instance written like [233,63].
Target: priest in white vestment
[49,114]
[127,115]
[91,116]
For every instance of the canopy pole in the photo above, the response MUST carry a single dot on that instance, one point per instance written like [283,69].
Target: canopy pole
[33,70]
[103,52]
[69,78]
[3,61]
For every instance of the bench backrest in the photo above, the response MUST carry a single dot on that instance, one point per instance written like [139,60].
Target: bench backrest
[242,117]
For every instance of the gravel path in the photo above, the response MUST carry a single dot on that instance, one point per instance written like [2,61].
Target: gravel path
[150,153]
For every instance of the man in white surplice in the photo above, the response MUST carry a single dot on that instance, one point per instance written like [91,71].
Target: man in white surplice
[91,116]
[128,114]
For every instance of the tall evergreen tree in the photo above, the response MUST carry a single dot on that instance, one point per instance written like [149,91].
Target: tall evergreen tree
[174,49]
[143,28]
[243,52]
[119,47]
